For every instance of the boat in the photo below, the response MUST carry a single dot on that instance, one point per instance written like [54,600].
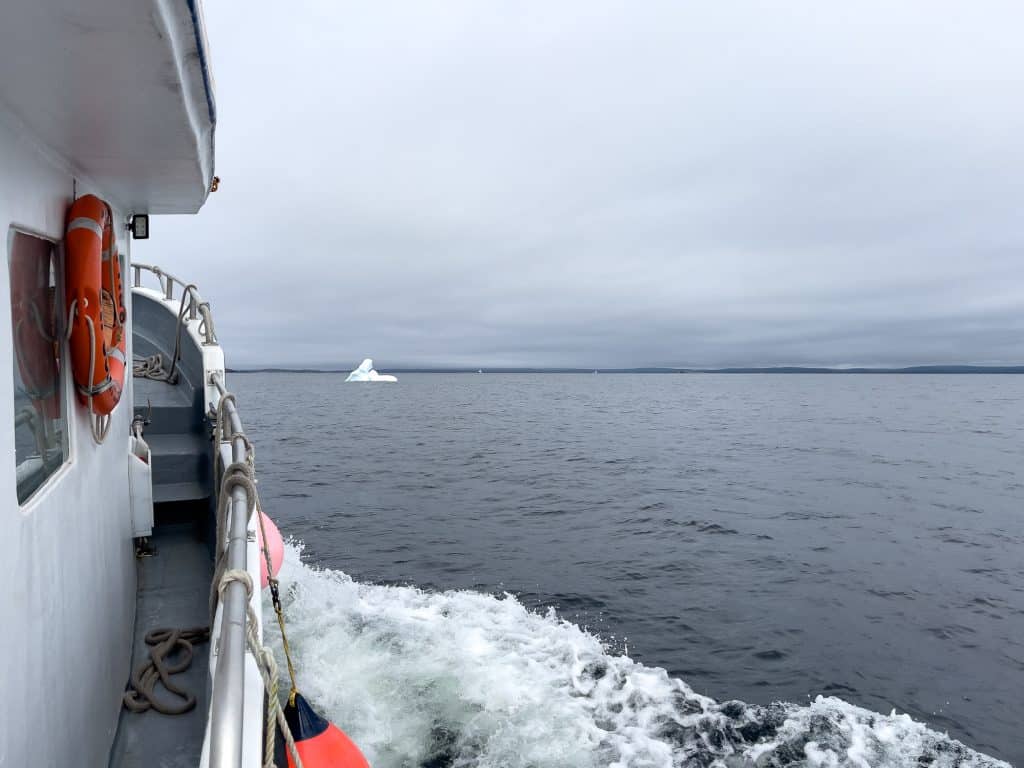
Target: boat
[129,519]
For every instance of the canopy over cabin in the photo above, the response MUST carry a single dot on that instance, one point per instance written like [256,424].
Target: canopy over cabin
[120,91]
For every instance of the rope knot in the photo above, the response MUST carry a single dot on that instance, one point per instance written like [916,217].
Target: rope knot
[235,469]
[233,575]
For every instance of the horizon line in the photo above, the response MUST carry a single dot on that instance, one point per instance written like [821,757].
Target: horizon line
[773,369]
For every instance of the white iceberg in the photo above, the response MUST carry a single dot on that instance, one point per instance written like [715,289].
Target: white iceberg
[365,372]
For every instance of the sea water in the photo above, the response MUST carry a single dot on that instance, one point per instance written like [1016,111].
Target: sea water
[630,571]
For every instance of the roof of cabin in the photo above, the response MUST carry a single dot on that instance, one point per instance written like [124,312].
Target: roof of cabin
[120,89]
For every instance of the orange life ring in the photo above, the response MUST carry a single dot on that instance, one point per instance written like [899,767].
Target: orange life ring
[95,300]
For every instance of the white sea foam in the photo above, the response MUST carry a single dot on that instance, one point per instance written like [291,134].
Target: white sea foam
[465,679]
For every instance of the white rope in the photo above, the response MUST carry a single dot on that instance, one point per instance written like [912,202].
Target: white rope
[206,326]
[267,665]
[241,474]
[151,367]
[99,425]
[236,474]
[71,316]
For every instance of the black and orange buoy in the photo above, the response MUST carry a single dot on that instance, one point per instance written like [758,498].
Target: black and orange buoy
[320,744]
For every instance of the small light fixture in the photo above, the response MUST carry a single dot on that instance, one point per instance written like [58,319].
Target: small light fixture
[140,226]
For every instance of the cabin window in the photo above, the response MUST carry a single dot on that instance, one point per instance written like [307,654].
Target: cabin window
[40,425]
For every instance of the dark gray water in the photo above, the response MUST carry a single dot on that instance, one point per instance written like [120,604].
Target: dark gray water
[762,537]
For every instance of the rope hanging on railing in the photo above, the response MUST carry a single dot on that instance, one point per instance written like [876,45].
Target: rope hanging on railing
[241,474]
[206,326]
[267,665]
[152,367]
[167,281]
[238,474]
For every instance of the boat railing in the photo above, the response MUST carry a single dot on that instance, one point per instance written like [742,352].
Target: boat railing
[196,306]
[227,700]
[226,726]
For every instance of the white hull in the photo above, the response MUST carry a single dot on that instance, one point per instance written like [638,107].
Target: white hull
[68,561]
[110,98]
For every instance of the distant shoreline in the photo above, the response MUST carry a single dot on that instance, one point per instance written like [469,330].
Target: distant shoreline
[915,369]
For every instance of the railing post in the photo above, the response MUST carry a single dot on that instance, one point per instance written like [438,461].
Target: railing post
[168,287]
[138,276]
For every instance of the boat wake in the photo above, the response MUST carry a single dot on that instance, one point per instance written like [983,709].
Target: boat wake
[463,679]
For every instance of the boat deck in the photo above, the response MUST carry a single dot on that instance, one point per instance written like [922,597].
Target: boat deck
[174,582]
[174,586]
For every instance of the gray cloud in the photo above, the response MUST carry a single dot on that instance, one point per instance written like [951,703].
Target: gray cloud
[584,183]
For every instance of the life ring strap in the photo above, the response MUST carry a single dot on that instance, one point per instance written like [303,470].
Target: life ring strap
[85,222]
[99,389]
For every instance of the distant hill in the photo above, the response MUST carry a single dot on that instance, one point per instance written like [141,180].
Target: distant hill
[909,369]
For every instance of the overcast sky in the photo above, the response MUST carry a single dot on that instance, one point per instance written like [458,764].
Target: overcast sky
[612,183]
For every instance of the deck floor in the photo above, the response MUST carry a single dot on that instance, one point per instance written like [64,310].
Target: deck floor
[158,394]
[173,591]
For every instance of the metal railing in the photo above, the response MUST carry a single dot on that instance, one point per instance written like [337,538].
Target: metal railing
[227,701]
[196,306]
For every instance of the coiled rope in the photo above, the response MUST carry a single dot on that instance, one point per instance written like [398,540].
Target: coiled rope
[241,474]
[165,642]
[152,367]
[267,665]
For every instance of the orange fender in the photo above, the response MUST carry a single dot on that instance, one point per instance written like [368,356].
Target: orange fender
[320,744]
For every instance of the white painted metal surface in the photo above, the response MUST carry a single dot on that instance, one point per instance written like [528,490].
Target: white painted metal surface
[213,354]
[68,562]
[140,481]
[119,91]
[112,97]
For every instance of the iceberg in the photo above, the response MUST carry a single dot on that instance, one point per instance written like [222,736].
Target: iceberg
[365,372]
